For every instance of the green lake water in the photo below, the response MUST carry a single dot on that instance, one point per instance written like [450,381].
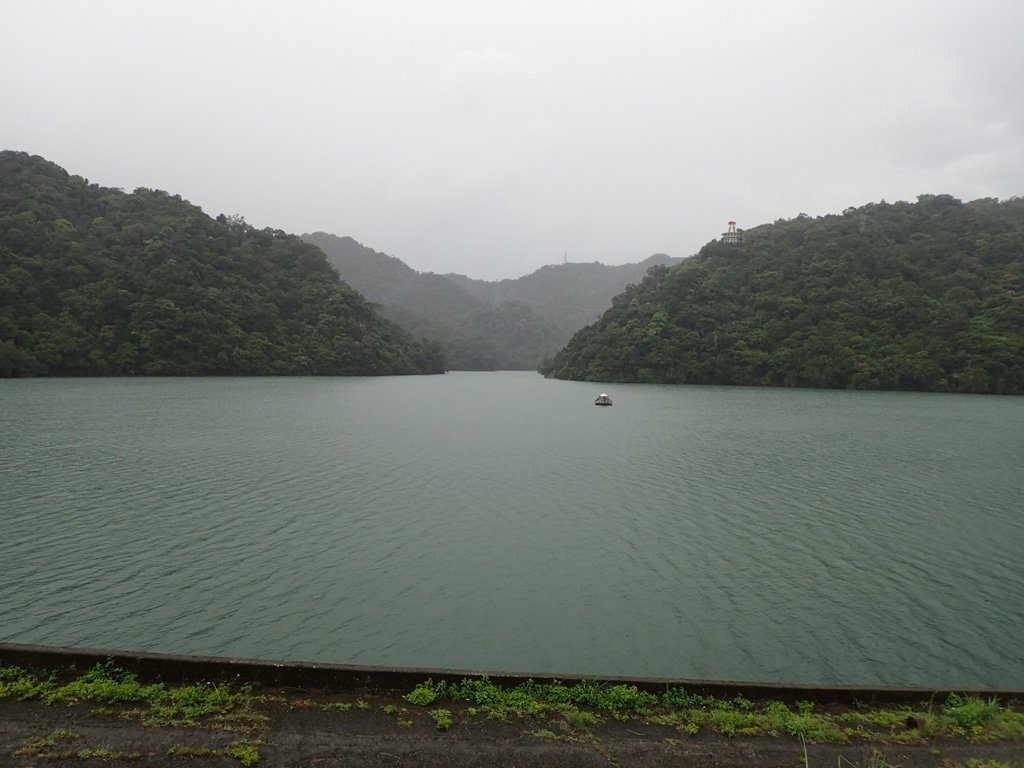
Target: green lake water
[501,522]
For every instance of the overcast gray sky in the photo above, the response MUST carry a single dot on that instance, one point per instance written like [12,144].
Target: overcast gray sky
[490,138]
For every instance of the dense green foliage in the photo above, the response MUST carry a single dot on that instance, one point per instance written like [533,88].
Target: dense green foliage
[587,702]
[108,684]
[904,296]
[510,324]
[94,281]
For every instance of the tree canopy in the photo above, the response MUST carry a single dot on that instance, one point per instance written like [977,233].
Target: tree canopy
[904,296]
[95,281]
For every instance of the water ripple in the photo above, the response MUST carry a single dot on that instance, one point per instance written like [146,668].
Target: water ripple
[499,521]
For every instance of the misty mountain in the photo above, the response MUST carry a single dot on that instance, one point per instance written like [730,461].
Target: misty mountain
[905,296]
[569,295]
[96,282]
[476,335]
[484,325]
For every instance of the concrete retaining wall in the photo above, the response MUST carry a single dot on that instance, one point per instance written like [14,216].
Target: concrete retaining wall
[172,669]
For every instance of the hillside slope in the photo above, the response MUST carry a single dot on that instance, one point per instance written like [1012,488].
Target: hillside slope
[484,325]
[911,296]
[476,335]
[95,281]
[570,295]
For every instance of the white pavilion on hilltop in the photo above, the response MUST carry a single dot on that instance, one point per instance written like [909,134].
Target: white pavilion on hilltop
[731,235]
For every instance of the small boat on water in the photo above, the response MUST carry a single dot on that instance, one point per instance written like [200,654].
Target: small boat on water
[603,399]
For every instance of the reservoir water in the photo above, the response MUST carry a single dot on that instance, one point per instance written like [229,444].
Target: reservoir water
[499,521]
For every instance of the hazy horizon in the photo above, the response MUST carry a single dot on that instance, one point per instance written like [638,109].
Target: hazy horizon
[490,139]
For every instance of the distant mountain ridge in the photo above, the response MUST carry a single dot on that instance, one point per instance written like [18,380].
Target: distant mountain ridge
[484,325]
[570,295]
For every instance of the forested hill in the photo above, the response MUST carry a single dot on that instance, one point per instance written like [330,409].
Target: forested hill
[485,325]
[476,335]
[904,296]
[568,295]
[95,281]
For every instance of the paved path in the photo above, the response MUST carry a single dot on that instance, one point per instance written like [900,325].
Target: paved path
[299,731]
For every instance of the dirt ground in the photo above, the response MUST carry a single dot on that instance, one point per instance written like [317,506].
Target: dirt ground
[387,731]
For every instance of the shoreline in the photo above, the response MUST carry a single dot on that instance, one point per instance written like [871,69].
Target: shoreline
[346,677]
[76,708]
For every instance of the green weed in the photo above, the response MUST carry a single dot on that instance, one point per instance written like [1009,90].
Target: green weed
[880,718]
[107,684]
[580,719]
[730,722]
[529,698]
[970,712]
[38,746]
[972,716]
[24,685]
[688,721]
[423,694]
[106,754]
[245,752]
[742,702]
[689,712]
[442,719]
[776,718]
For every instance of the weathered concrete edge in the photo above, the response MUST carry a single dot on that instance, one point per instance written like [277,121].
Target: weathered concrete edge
[172,668]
